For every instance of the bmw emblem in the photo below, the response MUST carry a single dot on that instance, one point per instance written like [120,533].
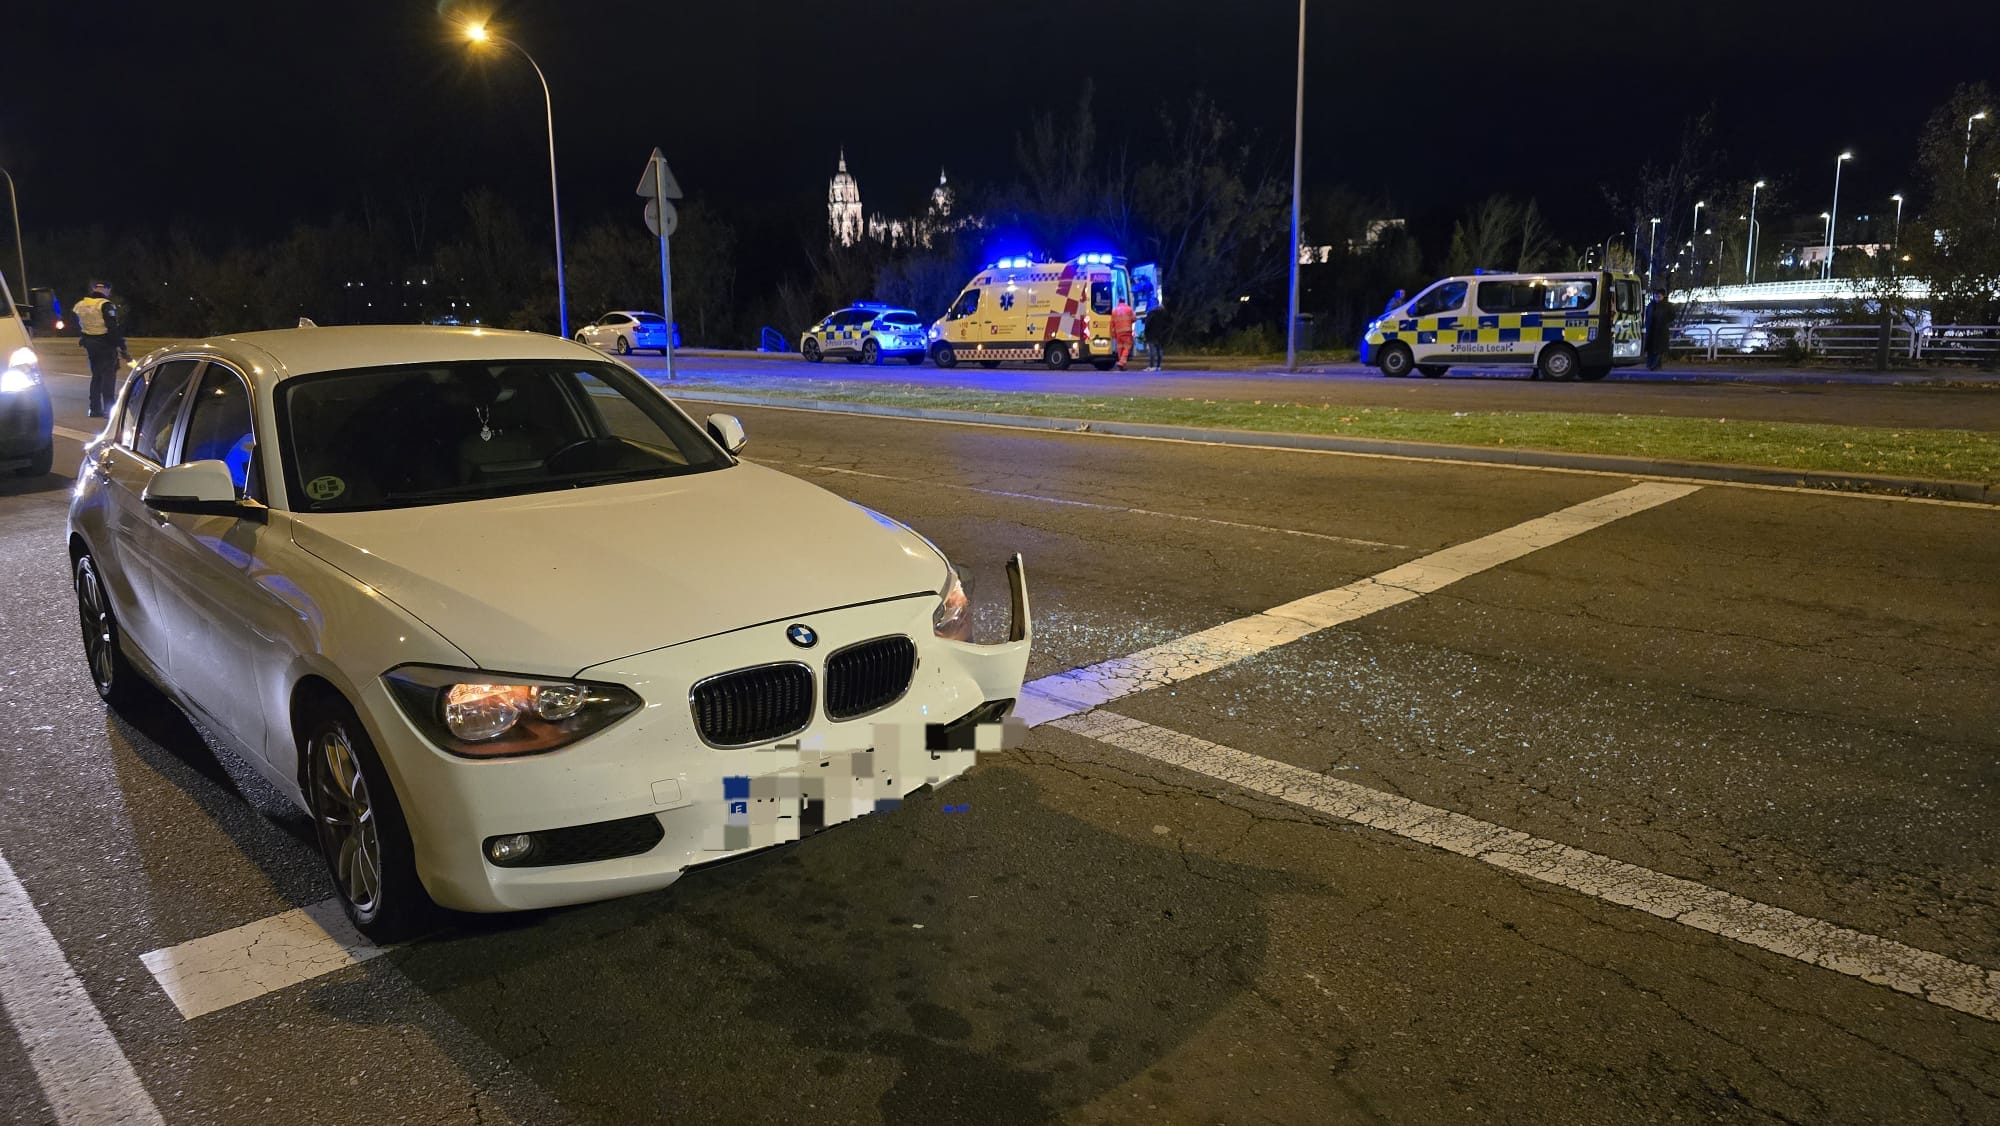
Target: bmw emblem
[801,635]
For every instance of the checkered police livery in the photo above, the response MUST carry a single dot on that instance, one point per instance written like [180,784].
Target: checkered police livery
[866,332]
[1565,325]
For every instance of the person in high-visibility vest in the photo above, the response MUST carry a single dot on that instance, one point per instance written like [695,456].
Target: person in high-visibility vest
[103,326]
[1121,331]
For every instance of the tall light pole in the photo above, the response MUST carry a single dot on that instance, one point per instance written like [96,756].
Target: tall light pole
[1750,241]
[14,205]
[1298,166]
[1980,116]
[1694,233]
[1896,235]
[1826,228]
[476,34]
[1832,217]
[1606,263]
[1652,248]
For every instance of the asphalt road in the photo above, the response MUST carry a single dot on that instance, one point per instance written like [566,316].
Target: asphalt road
[1782,696]
[1849,399]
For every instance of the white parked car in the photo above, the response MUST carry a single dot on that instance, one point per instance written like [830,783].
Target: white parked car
[513,629]
[626,331]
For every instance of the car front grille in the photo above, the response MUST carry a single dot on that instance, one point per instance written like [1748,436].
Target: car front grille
[754,705]
[869,676]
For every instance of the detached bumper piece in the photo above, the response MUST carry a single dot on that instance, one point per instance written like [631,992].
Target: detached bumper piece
[962,734]
[582,844]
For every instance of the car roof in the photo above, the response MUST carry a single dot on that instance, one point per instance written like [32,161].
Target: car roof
[874,307]
[278,354]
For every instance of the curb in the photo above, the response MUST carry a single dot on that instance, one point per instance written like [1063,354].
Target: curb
[1971,491]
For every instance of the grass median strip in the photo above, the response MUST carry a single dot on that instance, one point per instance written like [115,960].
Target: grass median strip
[1952,455]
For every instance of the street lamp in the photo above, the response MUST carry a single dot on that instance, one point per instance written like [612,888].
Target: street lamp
[1298,165]
[1896,235]
[478,34]
[1980,116]
[14,205]
[1826,268]
[1652,248]
[1826,228]
[1750,242]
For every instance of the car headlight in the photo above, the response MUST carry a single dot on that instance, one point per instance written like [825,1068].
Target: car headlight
[24,370]
[953,617]
[480,714]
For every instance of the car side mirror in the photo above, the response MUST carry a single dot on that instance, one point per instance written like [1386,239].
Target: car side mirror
[199,488]
[727,431]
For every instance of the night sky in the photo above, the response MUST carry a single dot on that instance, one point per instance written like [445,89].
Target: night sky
[240,117]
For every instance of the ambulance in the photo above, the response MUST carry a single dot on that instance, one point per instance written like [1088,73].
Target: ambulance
[1565,326]
[1051,313]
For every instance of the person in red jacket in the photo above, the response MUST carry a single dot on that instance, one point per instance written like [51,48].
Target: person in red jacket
[1121,330]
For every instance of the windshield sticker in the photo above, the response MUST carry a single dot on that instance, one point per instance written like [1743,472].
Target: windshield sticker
[325,488]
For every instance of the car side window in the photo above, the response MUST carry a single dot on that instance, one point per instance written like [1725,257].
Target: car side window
[164,392]
[966,305]
[218,427]
[1442,299]
[128,414]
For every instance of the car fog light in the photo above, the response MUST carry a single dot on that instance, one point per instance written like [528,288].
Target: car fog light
[510,849]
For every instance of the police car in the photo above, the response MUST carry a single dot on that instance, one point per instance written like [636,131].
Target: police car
[1566,326]
[27,417]
[866,332]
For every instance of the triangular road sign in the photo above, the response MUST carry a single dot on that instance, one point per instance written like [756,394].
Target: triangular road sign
[652,184]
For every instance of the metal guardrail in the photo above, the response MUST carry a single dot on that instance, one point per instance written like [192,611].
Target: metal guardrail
[1939,344]
[770,340]
[1960,344]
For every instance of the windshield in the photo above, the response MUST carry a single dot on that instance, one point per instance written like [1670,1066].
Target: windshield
[900,319]
[649,318]
[419,434]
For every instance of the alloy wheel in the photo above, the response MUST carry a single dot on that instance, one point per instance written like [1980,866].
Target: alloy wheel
[346,818]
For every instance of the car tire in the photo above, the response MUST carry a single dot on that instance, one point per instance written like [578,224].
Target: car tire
[1592,374]
[581,340]
[1557,361]
[944,356]
[871,354]
[624,346]
[39,462]
[118,683]
[810,350]
[1055,357]
[1396,361]
[1432,371]
[359,825]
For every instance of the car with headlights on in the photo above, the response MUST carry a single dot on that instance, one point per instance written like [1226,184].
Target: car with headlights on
[513,629]
[27,418]
[866,332]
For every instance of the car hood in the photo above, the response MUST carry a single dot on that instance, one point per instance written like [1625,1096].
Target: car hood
[552,583]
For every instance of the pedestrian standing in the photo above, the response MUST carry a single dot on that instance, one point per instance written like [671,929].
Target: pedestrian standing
[103,325]
[1659,326]
[1121,330]
[1149,335]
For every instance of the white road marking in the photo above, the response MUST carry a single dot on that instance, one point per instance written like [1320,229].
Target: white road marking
[221,970]
[1935,978]
[1085,688]
[1462,463]
[83,1073]
[1088,504]
[74,435]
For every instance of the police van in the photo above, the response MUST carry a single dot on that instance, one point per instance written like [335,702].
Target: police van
[1566,326]
[1052,313]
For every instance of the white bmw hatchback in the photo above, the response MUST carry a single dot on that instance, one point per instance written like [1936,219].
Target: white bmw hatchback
[513,629]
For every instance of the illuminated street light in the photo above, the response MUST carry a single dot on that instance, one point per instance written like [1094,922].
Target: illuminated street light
[1696,229]
[1896,238]
[1826,268]
[1750,247]
[1828,227]
[479,34]
[1980,116]
[1652,248]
